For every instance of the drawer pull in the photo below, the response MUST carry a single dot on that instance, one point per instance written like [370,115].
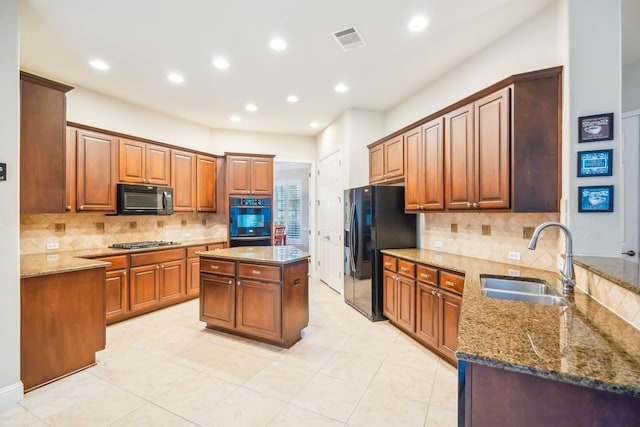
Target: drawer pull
[426,276]
[404,269]
[214,267]
[296,281]
[450,283]
[387,264]
[256,271]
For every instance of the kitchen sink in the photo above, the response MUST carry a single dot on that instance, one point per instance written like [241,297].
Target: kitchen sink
[525,290]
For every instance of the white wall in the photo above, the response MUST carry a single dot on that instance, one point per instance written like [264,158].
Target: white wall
[529,47]
[631,86]
[10,384]
[102,111]
[363,128]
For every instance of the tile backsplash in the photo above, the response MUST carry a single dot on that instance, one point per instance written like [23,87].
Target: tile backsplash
[73,231]
[492,236]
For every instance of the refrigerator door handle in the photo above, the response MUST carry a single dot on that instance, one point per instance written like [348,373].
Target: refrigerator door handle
[356,236]
[352,238]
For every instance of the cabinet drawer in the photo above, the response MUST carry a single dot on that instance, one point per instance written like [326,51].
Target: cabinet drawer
[215,246]
[117,262]
[191,251]
[256,271]
[156,257]
[217,266]
[427,275]
[389,262]
[406,268]
[451,282]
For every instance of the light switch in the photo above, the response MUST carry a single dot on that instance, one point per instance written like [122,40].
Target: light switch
[3,171]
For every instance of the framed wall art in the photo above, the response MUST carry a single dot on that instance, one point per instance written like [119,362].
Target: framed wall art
[595,163]
[595,198]
[595,128]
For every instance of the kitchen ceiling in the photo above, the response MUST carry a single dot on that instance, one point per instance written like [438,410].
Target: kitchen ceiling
[143,41]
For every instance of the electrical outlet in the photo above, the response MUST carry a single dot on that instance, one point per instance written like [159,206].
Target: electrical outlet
[438,244]
[437,257]
[514,255]
[514,272]
[53,257]
[51,246]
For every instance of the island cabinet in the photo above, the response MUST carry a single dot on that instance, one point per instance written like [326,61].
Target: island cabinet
[143,163]
[193,267]
[424,302]
[386,161]
[264,300]
[42,145]
[249,174]
[157,278]
[424,178]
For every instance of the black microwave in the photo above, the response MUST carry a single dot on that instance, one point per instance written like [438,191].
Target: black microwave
[137,199]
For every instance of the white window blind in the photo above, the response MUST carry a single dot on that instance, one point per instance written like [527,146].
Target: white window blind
[288,209]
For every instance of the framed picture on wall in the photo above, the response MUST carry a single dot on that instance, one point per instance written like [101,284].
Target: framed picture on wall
[595,128]
[595,198]
[595,163]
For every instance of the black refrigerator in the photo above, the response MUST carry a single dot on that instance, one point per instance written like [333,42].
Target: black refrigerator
[374,219]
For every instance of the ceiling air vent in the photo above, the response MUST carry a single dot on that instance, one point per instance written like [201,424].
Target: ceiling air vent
[349,38]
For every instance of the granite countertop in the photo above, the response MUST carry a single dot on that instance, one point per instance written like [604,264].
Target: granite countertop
[617,270]
[583,344]
[269,254]
[41,264]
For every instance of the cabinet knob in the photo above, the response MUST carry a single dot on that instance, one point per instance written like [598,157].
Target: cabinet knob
[158,267]
[230,282]
[68,207]
[124,273]
[433,293]
[475,205]
[238,283]
[81,208]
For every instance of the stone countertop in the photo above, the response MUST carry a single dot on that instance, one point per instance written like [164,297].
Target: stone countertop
[268,254]
[617,270]
[41,264]
[583,344]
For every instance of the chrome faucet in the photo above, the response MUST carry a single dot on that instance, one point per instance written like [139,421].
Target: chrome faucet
[567,271]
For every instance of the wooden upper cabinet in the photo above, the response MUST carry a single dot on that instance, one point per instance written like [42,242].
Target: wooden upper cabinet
[183,181]
[141,162]
[424,174]
[42,145]
[250,175]
[459,159]
[386,161]
[206,183]
[96,171]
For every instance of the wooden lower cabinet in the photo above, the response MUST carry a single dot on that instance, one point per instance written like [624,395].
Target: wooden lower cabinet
[425,303]
[116,287]
[144,286]
[265,301]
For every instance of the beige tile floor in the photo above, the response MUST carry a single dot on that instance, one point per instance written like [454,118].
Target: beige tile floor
[166,369]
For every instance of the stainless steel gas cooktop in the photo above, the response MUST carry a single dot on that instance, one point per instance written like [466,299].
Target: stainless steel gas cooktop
[143,244]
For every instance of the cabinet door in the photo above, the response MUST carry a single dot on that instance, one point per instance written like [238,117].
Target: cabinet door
[459,167]
[406,303]
[394,158]
[131,165]
[206,184]
[116,293]
[449,316]
[390,295]
[262,176]
[172,280]
[258,308]
[376,163]
[183,180]
[193,276]
[143,286]
[157,165]
[239,175]
[414,181]
[70,204]
[96,171]
[491,128]
[427,314]
[432,161]
[218,300]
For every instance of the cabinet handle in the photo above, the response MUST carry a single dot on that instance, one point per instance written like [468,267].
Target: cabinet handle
[439,294]
[404,269]
[124,273]
[256,272]
[237,283]
[68,207]
[475,205]
[296,281]
[157,266]
[433,293]
[81,208]
[426,276]
[469,204]
[230,282]
[450,283]
[387,264]
[214,267]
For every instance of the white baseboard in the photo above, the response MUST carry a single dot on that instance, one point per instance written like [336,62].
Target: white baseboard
[11,394]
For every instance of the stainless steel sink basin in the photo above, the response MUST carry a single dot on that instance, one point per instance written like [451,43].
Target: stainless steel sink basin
[521,289]
[544,299]
[517,285]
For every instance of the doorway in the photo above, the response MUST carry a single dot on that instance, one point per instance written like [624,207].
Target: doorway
[291,203]
[630,160]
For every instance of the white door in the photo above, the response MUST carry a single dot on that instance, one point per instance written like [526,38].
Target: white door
[630,162]
[329,216]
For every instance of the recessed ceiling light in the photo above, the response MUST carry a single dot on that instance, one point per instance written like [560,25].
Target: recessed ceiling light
[99,64]
[278,44]
[314,124]
[175,78]
[292,99]
[341,88]
[234,118]
[251,107]
[221,63]
[418,23]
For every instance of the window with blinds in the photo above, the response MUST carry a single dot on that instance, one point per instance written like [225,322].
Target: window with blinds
[287,205]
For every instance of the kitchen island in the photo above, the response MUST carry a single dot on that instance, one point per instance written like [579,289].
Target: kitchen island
[259,292]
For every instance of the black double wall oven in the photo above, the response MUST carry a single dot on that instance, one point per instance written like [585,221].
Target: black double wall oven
[250,221]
